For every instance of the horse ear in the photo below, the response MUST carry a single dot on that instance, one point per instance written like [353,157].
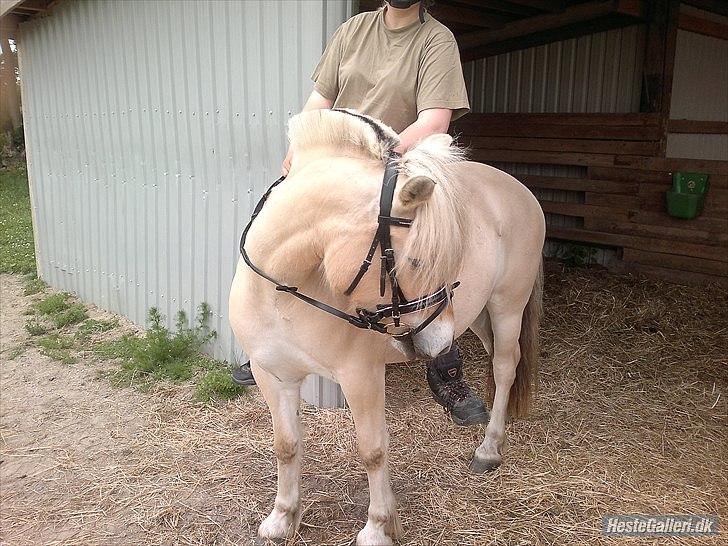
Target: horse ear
[415,191]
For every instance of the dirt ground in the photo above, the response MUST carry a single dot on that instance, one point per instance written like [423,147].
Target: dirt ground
[630,418]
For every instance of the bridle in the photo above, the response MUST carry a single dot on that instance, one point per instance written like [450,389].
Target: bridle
[400,305]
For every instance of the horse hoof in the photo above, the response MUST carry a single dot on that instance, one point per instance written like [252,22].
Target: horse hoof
[481,466]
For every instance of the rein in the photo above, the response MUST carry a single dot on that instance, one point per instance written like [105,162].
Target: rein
[365,319]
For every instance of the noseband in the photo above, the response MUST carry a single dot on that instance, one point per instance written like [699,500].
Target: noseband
[400,305]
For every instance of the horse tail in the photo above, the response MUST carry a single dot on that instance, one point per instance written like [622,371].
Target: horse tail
[527,369]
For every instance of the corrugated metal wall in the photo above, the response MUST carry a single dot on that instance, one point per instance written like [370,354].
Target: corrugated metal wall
[699,92]
[152,128]
[599,72]
[594,73]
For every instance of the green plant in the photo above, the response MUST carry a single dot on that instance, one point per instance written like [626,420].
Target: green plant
[160,353]
[57,347]
[95,326]
[53,303]
[74,314]
[33,285]
[217,384]
[35,328]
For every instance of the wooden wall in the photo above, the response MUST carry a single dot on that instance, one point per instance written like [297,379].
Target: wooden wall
[621,197]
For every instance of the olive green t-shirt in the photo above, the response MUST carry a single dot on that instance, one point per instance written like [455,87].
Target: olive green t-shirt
[392,75]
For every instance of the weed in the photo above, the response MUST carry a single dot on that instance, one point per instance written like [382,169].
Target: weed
[95,326]
[74,314]
[33,285]
[35,328]
[160,353]
[217,384]
[576,254]
[57,347]
[53,303]
[16,351]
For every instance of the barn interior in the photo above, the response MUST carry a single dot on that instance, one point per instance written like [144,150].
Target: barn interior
[613,112]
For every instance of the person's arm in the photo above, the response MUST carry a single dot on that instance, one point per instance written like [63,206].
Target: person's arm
[316,101]
[429,122]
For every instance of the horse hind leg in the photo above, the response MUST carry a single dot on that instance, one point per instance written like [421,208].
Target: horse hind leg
[506,354]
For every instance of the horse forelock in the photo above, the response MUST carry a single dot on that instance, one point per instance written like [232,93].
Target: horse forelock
[439,233]
[341,130]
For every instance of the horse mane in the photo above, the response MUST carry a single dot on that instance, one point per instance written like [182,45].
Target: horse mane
[440,231]
[342,129]
[438,236]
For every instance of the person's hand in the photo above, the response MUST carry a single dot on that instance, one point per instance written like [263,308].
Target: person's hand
[286,166]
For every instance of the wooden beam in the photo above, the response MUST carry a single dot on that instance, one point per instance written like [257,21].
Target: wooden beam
[715,6]
[6,6]
[541,5]
[696,127]
[702,26]
[597,146]
[576,20]
[469,16]
[498,6]
[659,61]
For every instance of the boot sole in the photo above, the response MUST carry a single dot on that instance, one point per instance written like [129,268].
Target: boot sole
[477,419]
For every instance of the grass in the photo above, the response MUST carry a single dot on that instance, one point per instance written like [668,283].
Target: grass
[35,328]
[33,285]
[58,347]
[217,384]
[17,254]
[61,310]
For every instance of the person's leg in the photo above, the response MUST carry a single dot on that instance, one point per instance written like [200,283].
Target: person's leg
[445,377]
[242,375]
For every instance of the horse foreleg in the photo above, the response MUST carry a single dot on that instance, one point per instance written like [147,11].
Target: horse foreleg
[506,354]
[364,391]
[283,400]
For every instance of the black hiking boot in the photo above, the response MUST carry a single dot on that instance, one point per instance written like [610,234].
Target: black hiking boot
[445,377]
[242,375]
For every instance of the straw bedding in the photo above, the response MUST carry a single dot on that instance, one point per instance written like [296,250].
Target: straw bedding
[630,417]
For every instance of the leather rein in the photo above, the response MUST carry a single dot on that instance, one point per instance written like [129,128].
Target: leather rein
[400,305]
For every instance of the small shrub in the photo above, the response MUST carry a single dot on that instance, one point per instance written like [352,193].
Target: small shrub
[35,328]
[578,255]
[94,326]
[53,303]
[160,353]
[217,384]
[74,314]
[16,351]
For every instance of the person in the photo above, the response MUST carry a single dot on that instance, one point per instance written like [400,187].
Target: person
[400,65]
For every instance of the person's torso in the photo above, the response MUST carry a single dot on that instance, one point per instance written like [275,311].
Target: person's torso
[378,73]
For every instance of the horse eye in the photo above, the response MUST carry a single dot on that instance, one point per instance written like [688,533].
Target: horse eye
[414,262]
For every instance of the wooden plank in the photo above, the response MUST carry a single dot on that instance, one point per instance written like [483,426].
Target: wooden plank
[657,232]
[643,244]
[469,127]
[598,119]
[576,184]
[564,145]
[628,175]
[701,223]
[550,158]
[582,211]
[670,164]
[618,201]
[698,127]
[6,6]
[672,261]
[674,275]
[703,26]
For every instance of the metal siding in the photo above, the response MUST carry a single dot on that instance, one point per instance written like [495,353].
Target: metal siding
[153,128]
[594,73]
[699,92]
